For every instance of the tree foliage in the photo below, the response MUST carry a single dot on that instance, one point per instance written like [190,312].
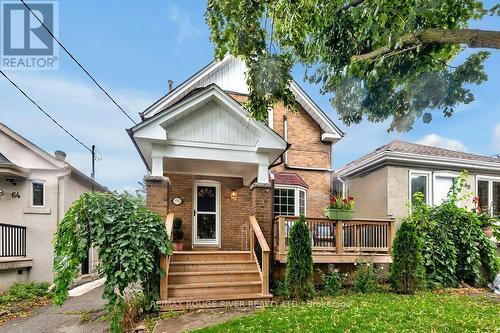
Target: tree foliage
[129,239]
[299,282]
[379,59]
[407,269]
[455,248]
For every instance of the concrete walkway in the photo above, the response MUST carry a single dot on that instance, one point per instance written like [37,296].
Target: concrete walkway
[65,319]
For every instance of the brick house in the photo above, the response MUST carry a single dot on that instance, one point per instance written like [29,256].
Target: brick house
[236,183]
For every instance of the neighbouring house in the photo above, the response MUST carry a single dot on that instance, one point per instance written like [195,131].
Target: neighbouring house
[238,185]
[384,181]
[36,189]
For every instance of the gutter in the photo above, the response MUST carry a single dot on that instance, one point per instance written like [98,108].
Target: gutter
[130,133]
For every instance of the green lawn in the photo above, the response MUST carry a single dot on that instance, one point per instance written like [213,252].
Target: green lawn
[375,312]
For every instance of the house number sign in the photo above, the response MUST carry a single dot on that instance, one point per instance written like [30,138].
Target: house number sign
[177,201]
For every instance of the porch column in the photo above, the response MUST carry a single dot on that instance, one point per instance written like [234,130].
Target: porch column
[262,208]
[157,166]
[157,194]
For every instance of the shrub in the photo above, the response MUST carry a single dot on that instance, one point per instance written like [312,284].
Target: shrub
[365,277]
[299,268]
[407,269]
[279,289]
[177,232]
[332,280]
[25,291]
[455,247]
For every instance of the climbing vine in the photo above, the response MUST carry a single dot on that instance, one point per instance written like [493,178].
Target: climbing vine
[129,239]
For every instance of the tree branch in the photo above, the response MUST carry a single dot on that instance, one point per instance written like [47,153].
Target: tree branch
[473,38]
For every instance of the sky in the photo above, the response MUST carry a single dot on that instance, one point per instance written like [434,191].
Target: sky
[133,48]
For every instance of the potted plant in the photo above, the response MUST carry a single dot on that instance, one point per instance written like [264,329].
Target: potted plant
[178,234]
[340,208]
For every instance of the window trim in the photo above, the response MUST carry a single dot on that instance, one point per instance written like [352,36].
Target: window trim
[428,175]
[36,181]
[296,205]
[443,174]
[490,180]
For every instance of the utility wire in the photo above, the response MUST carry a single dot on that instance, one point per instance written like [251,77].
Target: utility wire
[78,63]
[48,115]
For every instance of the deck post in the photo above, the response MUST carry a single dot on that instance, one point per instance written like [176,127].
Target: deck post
[281,235]
[265,272]
[339,240]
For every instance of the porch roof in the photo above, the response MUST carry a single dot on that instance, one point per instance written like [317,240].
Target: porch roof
[207,132]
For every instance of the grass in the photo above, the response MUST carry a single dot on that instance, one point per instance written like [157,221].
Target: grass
[22,298]
[374,312]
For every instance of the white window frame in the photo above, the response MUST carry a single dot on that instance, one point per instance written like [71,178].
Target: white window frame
[296,196]
[36,181]
[490,180]
[443,174]
[428,174]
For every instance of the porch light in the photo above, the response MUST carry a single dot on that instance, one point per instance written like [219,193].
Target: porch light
[233,194]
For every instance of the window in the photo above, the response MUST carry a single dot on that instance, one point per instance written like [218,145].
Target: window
[419,182]
[488,191]
[37,194]
[443,182]
[338,188]
[289,201]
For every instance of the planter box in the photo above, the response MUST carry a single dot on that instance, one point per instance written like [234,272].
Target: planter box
[339,214]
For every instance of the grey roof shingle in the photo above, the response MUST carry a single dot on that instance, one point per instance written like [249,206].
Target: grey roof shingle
[418,149]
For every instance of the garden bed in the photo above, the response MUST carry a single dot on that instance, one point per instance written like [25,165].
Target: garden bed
[443,311]
[22,298]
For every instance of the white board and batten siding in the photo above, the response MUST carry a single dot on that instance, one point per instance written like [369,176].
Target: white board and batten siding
[213,123]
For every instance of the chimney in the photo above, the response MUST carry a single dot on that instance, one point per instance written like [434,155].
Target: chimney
[60,155]
[170,85]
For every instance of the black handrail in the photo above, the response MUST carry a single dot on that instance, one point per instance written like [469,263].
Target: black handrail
[12,240]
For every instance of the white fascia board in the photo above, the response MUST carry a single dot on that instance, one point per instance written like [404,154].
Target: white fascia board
[330,137]
[438,161]
[185,86]
[314,111]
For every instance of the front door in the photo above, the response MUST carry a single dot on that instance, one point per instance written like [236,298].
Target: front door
[206,214]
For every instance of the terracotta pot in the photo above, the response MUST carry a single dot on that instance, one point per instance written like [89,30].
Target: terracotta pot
[178,246]
[488,231]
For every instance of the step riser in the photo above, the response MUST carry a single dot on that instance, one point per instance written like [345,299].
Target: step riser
[214,278]
[210,257]
[215,291]
[211,267]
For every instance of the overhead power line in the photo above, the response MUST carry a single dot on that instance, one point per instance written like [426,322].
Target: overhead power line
[48,115]
[78,63]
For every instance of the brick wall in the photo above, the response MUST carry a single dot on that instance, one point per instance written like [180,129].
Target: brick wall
[262,208]
[234,212]
[157,195]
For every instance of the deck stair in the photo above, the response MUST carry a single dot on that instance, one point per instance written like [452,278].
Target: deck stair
[207,279]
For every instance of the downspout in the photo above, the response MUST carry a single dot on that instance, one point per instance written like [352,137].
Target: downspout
[59,203]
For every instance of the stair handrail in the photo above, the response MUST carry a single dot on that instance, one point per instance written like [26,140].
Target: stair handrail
[264,270]
[165,259]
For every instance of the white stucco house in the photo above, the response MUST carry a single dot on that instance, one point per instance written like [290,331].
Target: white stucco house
[36,189]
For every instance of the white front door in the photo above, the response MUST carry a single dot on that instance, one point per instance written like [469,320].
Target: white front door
[206,213]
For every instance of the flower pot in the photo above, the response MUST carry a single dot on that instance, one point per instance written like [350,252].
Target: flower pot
[178,246]
[488,231]
[339,214]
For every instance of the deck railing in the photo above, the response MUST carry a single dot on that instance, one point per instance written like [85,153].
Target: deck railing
[12,240]
[165,260]
[356,236]
[260,251]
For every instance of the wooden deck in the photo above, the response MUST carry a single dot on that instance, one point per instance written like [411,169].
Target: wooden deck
[339,241]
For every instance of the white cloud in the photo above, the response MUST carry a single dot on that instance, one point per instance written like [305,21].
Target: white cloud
[496,137]
[185,27]
[442,142]
[84,111]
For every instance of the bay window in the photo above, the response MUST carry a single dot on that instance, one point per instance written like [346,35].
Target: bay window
[289,200]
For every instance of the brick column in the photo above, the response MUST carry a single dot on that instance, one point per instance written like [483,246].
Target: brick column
[262,208]
[157,194]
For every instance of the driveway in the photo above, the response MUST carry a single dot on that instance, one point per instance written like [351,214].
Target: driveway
[77,315]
